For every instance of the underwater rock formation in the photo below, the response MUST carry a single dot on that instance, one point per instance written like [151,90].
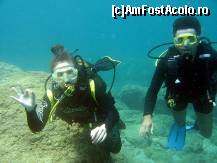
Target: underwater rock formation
[59,142]
[133,96]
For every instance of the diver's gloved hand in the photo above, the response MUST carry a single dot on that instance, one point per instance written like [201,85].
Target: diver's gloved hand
[24,97]
[99,134]
[146,128]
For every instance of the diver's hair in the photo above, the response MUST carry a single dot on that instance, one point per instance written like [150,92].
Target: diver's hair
[60,55]
[187,22]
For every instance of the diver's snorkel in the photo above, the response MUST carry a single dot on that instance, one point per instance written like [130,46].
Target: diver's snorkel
[75,51]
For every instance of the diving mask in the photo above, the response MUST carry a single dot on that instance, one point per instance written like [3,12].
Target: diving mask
[188,38]
[65,74]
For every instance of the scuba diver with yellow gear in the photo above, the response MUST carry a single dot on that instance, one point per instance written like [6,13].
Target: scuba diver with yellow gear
[76,94]
[189,70]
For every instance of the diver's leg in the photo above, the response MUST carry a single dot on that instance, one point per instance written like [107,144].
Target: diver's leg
[205,123]
[179,113]
[204,117]
[112,144]
[176,137]
[113,141]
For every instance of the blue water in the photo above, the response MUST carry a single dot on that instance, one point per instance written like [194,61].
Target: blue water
[29,28]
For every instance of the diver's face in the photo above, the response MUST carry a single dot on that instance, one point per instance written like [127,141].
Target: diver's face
[186,41]
[65,73]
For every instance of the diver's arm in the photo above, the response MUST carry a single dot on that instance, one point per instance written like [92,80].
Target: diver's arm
[106,104]
[156,83]
[37,118]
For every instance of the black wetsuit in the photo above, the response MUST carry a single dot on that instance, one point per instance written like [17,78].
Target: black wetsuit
[80,107]
[187,80]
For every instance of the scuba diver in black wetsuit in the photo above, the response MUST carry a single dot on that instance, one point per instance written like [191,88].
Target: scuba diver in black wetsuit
[77,94]
[189,71]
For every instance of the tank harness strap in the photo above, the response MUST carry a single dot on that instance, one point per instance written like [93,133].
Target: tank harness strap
[52,103]
[93,90]
[82,63]
[50,96]
[93,95]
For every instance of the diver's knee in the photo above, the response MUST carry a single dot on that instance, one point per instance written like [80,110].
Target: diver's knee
[206,134]
[179,117]
[116,148]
